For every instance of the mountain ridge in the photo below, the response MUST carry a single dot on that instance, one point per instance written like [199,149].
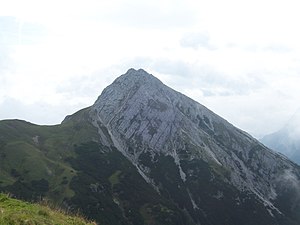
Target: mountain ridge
[185,164]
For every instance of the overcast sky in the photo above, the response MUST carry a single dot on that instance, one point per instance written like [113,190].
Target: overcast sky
[239,58]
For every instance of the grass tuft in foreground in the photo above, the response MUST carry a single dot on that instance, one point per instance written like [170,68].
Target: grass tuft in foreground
[16,212]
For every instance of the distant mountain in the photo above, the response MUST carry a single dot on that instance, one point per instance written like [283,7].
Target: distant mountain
[287,139]
[146,154]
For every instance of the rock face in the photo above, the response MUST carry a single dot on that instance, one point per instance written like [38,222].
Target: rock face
[287,139]
[214,172]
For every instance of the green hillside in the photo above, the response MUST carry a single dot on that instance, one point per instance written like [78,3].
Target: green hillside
[33,158]
[68,166]
[16,212]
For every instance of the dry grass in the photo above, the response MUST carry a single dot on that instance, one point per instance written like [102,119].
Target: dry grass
[16,212]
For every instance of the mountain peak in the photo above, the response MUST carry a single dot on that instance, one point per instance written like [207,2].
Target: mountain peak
[135,77]
[137,74]
[146,118]
[134,71]
[287,139]
[139,104]
[132,90]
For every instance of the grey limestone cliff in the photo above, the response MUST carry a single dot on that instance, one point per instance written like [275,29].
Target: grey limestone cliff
[149,123]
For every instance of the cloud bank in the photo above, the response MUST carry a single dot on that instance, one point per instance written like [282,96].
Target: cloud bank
[63,53]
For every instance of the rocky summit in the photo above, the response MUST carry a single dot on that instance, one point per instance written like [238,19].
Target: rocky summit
[146,154]
[217,165]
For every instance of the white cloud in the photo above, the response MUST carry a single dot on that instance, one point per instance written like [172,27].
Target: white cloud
[151,14]
[240,58]
[40,113]
[197,40]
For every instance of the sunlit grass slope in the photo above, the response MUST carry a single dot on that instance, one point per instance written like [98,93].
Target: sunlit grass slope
[16,212]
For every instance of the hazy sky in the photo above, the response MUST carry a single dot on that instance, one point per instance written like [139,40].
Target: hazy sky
[239,58]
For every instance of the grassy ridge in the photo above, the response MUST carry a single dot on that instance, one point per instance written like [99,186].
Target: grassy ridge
[16,212]
[33,155]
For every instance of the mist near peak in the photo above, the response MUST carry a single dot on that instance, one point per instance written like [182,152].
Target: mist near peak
[287,139]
